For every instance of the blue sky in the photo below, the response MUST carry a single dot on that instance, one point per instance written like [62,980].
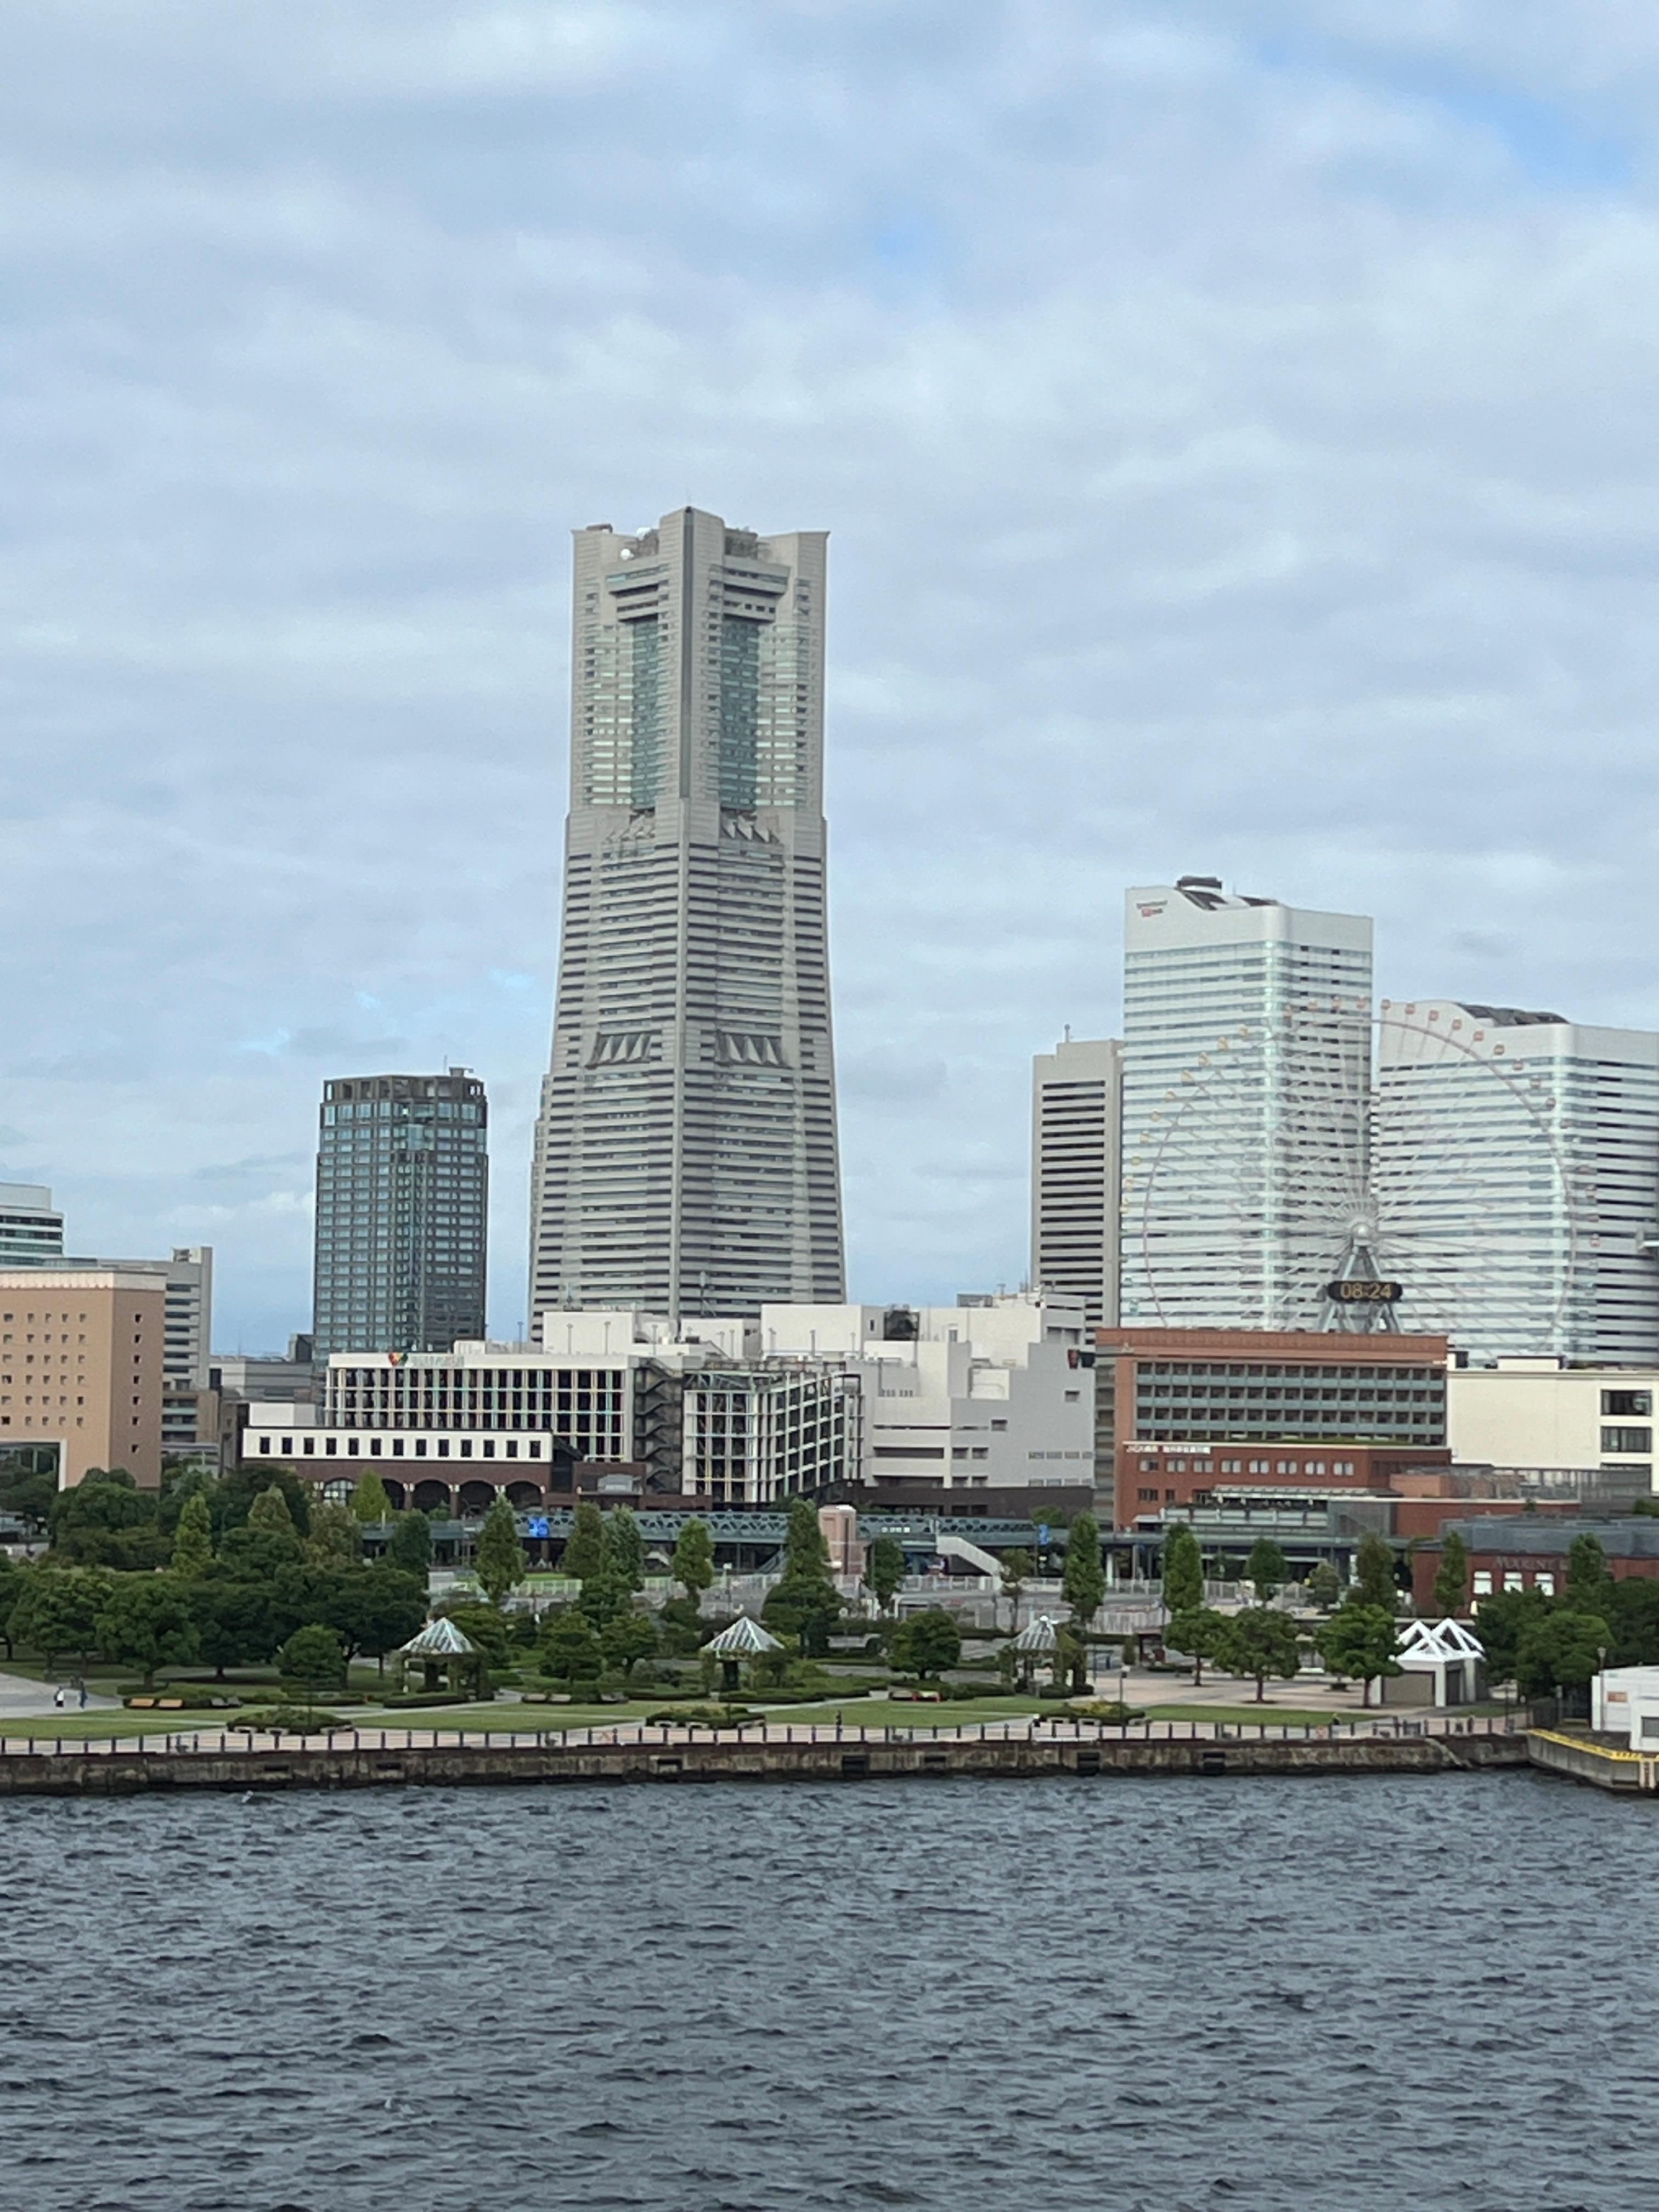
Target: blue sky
[1234,424]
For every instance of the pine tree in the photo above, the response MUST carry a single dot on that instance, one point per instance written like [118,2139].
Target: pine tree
[1451,1581]
[268,1514]
[1267,1568]
[500,1560]
[369,1501]
[192,1544]
[583,1552]
[694,1558]
[883,1569]
[805,1551]
[1183,1571]
[1083,1581]
[621,1547]
[1374,1573]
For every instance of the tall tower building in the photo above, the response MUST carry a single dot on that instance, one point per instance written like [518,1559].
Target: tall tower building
[403,1189]
[1077,1104]
[685,1156]
[31,1227]
[1246,1081]
[1518,1155]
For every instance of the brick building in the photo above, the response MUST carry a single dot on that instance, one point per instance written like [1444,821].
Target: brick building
[1531,1553]
[1182,1413]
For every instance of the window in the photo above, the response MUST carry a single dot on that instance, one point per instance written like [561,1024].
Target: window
[1513,1579]
[1147,1497]
[1482,1582]
[1626,1440]
[1545,1581]
[1624,1402]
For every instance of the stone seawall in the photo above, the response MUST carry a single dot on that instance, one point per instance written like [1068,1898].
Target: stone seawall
[121,1773]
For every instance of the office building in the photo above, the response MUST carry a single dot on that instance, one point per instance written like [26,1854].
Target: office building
[1188,1413]
[1543,1415]
[731,1411]
[1246,1081]
[1517,1163]
[685,1158]
[81,1359]
[1077,1103]
[31,1228]
[403,1188]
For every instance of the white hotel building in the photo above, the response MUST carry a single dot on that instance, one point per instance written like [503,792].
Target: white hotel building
[994,1391]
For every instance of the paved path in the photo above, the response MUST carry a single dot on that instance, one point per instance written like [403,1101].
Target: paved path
[21,1697]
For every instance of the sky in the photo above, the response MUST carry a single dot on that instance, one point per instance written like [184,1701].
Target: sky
[1235,425]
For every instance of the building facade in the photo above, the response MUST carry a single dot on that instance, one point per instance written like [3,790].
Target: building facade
[686,1158]
[403,1208]
[994,1392]
[1190,1412]
[82,1361]
[1543,1414]
[31,1227]
[1246,1080]
[1077,1105]
[1525,1149]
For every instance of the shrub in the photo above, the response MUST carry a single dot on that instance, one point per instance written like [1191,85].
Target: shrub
[1109,1709]
[292,1720]
[400,1699]
[703,1716]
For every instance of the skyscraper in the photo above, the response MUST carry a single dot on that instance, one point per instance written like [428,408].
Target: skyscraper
[402,1188]
[1077,1105]
[1246,1050]
[1517,1159]
[685,1152]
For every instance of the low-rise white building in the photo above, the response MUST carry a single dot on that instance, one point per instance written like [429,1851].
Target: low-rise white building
[1624,1701]
[992,1391]
[1542,1414]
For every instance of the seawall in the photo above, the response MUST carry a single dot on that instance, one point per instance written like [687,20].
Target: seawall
[70,1773]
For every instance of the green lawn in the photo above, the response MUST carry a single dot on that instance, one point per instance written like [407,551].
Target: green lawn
[1264,1715]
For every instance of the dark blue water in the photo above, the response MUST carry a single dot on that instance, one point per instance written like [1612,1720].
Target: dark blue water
[1337,1995]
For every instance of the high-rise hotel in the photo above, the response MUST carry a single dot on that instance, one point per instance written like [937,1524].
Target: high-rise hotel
[686,1156]
[1247,1051]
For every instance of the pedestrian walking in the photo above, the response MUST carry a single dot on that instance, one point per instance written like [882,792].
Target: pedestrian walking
[60,1698]
[83,1696]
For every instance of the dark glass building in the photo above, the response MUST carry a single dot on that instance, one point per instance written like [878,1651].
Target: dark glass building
[403,1190]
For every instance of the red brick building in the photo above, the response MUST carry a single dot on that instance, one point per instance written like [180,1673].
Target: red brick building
[1531,1553]
[1183,1412]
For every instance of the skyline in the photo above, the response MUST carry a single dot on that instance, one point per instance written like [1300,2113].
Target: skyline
[1232,434]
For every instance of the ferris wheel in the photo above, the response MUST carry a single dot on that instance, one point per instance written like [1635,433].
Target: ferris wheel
[1356,1167]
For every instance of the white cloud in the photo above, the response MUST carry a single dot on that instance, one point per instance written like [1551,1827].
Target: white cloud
[1234,422]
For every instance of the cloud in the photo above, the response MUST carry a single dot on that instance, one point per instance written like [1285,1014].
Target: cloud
[1234,424]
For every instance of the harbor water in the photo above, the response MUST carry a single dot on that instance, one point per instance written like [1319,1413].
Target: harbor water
[1335,1995]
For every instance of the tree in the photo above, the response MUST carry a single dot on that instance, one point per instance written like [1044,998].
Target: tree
[1082,1580]
[254,1555]
[233,1623]
[334,1540]
[926,1643]
[1632,1614]
[1267,1568]
[694,1558]
[484,1625]
[630,1638]
[1324,1585]
[147,1622]
[270,1515]
[11,1589]
[369,1501]
[192,1542]
[1374,1574]
[1359,1640]
[499,1560]
[106,1520]
[621,1547]
[314,1657]
[569,1649]
[1451,1577]
[804,1551]
[1184,1571]
[883,1570]
[805,1607]
[1018,1569]
[232,1500]
[28,1491]
[411,1544]
[1561,1648]
[1258,1641]
[58,1610]
[584,1551]
[1588,1582]
[1196,1633]
[604,1594]
[1503,1620]
[378,1609]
